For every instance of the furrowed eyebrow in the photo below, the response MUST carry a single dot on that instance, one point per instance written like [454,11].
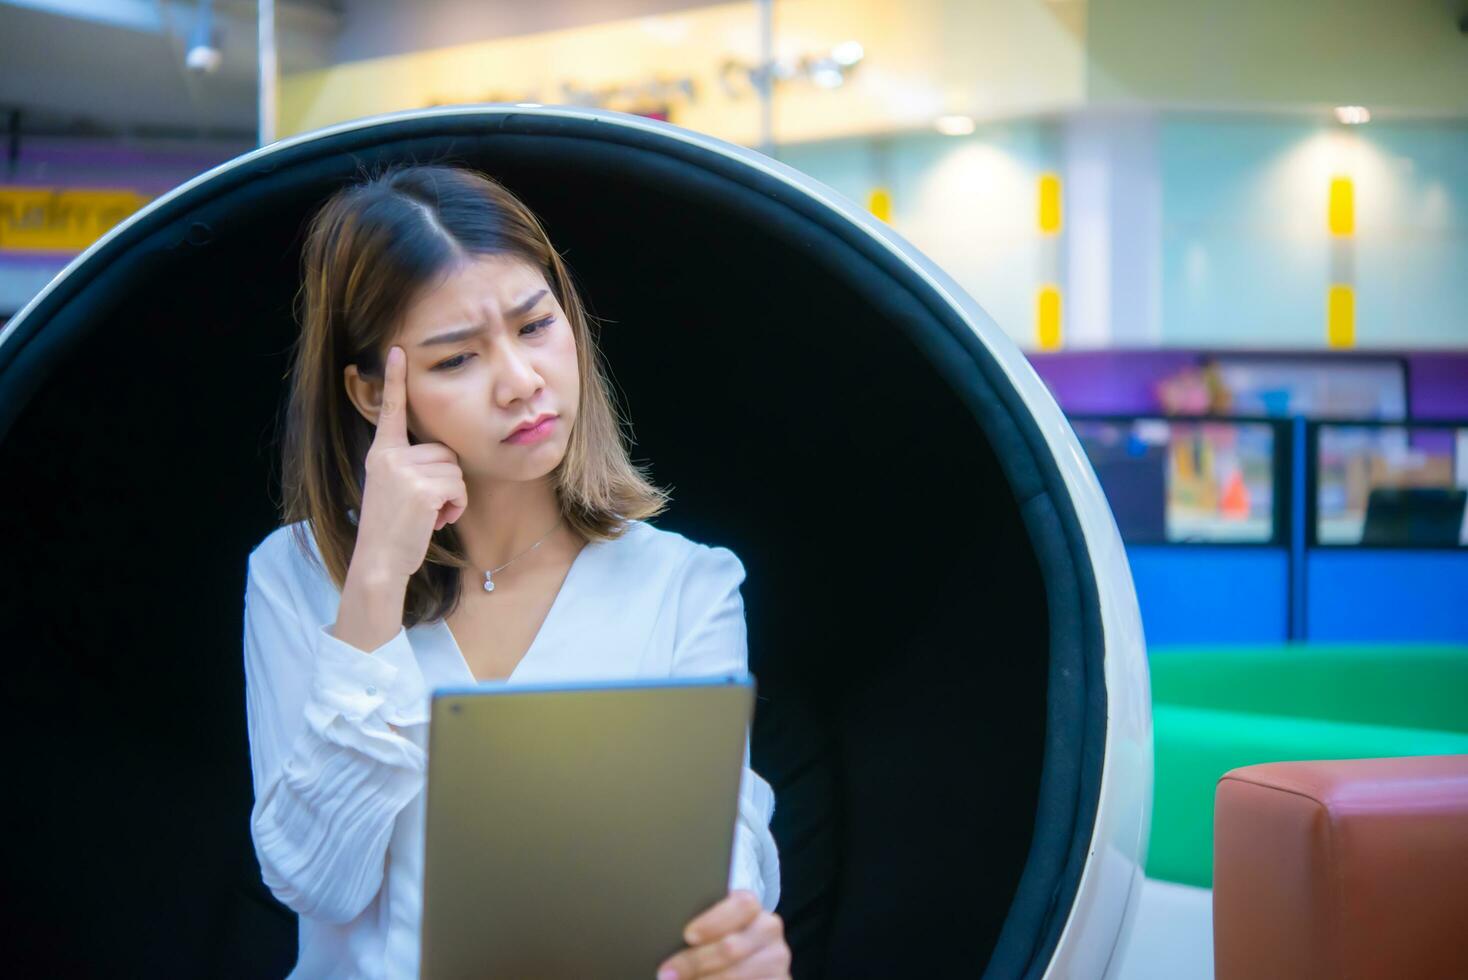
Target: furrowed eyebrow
[454,336]
[528,304]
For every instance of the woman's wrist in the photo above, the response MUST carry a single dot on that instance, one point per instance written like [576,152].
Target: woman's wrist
[374,579]
[371,610]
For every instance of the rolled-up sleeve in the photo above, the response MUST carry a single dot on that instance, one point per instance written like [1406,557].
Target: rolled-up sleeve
[712,639]
[330,772]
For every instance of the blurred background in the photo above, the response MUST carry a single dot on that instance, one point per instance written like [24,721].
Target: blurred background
[1232,238]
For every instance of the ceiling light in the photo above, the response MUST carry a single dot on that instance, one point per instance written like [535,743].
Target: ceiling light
[203,55]
[827,76]
[1352,115]
[955,125]
[847,53]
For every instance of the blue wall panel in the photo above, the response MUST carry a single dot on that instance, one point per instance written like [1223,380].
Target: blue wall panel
[1211,594]
[1374,596]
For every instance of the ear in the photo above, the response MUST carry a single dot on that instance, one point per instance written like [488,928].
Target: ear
[364,393]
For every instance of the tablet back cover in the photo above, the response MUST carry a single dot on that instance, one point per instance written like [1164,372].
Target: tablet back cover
[572,831]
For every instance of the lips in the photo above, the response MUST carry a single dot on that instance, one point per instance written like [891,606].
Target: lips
[531,424]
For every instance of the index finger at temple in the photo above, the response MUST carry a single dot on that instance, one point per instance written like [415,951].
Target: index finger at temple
[392,419]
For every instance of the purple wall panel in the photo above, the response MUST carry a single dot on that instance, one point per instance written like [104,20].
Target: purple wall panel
[1123,382]
[148,169]
[1438,382]
[1109,381]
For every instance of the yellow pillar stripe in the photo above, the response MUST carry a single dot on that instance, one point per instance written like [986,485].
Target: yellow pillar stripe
[1342,206]
[1049,204]
[1340,316]
[879,203]
[1047,317]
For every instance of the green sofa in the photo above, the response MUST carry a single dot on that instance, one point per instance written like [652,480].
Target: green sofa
[1215,709]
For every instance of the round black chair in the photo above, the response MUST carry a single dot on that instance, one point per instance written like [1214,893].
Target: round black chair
[953,702]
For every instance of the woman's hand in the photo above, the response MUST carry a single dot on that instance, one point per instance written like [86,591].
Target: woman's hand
[736,938]
[411,491]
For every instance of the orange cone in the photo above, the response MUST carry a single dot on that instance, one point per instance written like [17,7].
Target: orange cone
[1235,502]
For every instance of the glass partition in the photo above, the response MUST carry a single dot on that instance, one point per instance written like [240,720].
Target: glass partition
[1285,385]
[1190,481]
[1390,485]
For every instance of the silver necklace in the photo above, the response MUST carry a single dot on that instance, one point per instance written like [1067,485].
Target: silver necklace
[489,582]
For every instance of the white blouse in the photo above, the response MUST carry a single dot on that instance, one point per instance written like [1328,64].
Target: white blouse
[339,804]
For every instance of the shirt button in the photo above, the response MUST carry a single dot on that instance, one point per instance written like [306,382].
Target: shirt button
[371,690]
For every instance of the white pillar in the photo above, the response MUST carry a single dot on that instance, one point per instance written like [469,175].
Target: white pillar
[268,73]
[1113,238]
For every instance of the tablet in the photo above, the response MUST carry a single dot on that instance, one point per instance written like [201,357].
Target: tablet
[574,830]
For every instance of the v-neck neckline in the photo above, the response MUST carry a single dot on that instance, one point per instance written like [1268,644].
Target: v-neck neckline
[545,625]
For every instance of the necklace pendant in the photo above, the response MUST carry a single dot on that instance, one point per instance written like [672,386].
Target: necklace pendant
[488,585]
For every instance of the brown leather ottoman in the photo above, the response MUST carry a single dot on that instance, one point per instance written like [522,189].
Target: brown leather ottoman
[1353,870]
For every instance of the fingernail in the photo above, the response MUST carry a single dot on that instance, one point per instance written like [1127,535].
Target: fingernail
[691,936]
[668,973]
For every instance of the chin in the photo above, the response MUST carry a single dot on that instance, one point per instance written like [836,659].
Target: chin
[534,467]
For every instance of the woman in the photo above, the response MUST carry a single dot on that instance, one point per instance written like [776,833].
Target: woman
[460,508]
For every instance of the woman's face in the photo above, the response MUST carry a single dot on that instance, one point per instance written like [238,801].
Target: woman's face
[489,349]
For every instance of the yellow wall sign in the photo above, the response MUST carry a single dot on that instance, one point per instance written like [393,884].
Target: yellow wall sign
[50,219]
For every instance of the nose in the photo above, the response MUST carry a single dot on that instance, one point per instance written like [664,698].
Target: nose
[518,379]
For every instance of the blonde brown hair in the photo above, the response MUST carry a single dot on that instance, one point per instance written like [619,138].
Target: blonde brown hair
[368,251]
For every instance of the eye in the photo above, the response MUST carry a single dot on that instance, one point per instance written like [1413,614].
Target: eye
[458,360]
[452,362]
